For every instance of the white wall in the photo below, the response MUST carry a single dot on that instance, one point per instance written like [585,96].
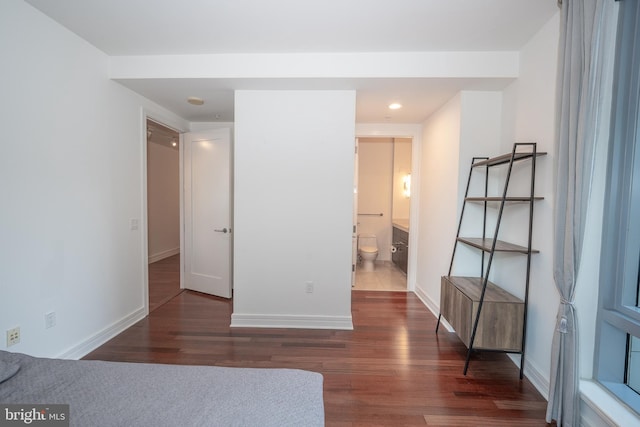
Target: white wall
[375,179]
[163,201]
[439,170]
[480,136]
[529,110]
[71,174]
[199,126]
[467,126]
[294,166]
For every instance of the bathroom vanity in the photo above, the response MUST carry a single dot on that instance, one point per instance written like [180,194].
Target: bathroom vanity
[400,242]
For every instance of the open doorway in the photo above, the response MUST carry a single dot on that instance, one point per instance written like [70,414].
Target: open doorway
[384,199]
[163,213]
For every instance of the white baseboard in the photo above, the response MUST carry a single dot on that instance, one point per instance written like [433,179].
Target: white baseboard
[432,306]
[164,254]
[427,301]
[291,321]
[85,347]
[533,374]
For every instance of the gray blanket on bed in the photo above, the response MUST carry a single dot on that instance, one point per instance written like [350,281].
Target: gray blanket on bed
[141,394]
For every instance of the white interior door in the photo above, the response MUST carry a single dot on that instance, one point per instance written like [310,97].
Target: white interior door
[207,212]
[354,237]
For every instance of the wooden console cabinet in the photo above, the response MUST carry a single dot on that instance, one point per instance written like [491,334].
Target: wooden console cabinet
[501,319]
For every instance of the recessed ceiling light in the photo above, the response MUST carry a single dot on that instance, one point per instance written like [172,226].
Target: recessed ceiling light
[194,100]
[395,106]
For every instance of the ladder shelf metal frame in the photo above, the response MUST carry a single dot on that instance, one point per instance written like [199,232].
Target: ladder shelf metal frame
[495,244]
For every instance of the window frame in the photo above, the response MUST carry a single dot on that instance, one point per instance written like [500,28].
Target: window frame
[618,313]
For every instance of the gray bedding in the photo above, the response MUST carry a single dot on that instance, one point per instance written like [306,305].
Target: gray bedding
[139,394]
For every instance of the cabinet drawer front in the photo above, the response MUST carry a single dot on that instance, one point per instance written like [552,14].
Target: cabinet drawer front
[456,307]
[500,323]
[500,327]
[400,235]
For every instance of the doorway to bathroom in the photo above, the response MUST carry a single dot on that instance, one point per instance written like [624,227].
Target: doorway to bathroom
[383,201]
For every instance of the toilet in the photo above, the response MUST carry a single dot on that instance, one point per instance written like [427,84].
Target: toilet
[368,251]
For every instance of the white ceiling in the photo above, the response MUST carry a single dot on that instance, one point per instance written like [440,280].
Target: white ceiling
[163,27]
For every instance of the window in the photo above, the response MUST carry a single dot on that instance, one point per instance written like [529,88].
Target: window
[633,364]
[618,352]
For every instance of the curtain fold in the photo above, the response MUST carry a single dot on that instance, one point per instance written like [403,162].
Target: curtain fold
[585,70]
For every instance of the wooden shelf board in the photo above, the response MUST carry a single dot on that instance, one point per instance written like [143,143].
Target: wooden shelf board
[506,158]
[501,246]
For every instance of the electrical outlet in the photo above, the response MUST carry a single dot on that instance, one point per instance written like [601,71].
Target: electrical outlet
[309,287]
[50,320]
[13,336]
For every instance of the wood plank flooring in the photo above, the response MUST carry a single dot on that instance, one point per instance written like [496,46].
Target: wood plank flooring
[164,281]
[391,370]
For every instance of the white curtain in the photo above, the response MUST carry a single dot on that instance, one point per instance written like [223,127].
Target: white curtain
[585,71]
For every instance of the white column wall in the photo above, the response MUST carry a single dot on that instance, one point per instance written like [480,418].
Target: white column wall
[294,166]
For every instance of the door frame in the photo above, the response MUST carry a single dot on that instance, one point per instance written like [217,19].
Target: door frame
[354,235]
[180,128]
[388,130]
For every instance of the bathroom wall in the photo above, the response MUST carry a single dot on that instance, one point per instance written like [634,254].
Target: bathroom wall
[163,201]
[401,167]
[375,180]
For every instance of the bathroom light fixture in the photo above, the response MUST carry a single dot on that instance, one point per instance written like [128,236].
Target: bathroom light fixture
[173,142]
[194,100]
[406,185]
[395,106]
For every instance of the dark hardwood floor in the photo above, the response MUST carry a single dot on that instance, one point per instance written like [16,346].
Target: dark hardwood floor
[391,370]
[164,281]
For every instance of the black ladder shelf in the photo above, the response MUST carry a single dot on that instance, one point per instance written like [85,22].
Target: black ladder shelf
[503,323]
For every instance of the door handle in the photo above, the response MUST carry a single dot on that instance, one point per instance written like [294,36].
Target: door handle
[221,230]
